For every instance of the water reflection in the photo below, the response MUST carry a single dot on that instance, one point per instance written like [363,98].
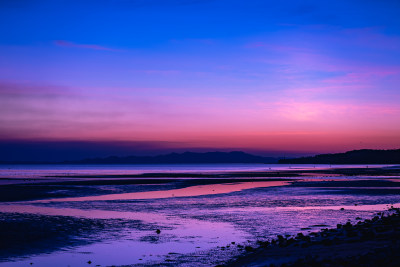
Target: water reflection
[375,207]
[190,191]
[182,235]
[39,171]
[196,219]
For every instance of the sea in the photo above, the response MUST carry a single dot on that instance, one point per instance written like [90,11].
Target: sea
[185,222]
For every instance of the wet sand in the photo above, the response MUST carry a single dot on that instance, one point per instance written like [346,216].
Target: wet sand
[43,233]
[61,186]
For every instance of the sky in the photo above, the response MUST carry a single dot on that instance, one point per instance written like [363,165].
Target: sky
[136,77]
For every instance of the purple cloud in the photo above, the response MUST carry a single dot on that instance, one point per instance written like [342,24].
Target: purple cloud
[64,43]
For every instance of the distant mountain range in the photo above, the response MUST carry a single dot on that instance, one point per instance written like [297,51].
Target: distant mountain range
[363,156]
[186,157]
[172,158]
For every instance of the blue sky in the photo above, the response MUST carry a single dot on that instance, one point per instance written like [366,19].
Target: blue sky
[299,76]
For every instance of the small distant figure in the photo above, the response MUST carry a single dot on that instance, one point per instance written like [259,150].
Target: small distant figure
[158,231]
[89,262]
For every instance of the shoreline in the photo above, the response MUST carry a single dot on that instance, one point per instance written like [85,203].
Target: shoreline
[372,242]
[42,187]
[217,209]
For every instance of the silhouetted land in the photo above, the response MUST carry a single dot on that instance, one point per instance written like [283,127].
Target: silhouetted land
[172,158]
[363,156]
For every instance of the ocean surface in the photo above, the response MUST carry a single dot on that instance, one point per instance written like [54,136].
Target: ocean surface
[39,171]
[178,223]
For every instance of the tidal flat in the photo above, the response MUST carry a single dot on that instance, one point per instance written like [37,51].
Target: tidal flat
[177,215]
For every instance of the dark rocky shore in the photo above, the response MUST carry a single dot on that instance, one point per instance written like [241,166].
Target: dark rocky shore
[372,242]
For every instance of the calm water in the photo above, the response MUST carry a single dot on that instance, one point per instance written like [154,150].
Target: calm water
[198,223]
[39,171]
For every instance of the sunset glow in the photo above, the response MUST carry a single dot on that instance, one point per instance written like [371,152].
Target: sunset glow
[257,76]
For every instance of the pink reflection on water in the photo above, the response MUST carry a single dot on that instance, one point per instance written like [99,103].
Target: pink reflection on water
[184,236]
[198,190]
[374,207]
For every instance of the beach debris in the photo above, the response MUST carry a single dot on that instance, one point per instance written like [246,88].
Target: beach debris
[385,226]
[341,208]
[319,225]
[248,248]
[263,243]
[300,236]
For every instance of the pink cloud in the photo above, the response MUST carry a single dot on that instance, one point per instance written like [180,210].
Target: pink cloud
[312,56]
[308,110]
[337,113]
[301,70]
[203,119]
[370,37]
[28,89]
[64,43]
[363,76]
